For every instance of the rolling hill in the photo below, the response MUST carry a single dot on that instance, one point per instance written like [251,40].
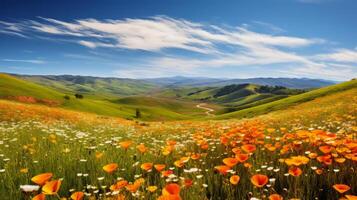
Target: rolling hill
[93,86]
[114,87]
[233,97]
[291,101]
[297,83]
[172,103]
[13,88]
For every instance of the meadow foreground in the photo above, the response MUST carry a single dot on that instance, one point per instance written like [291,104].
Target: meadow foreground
[305,152]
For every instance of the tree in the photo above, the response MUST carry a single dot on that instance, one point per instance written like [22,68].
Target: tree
[78,96]
[137,113]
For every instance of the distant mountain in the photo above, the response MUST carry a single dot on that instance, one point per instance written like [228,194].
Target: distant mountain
[298,83]
[110,87]
[182,81]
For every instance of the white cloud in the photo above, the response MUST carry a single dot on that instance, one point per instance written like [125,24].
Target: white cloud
[154,34]
[25,61]
[218,46]
[339,55]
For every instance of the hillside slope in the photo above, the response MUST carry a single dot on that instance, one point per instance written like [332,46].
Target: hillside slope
[290,101]
[93,86]
[13,88]
[231,97]
[297,83]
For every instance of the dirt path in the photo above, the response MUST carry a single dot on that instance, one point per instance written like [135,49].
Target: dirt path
[208,110]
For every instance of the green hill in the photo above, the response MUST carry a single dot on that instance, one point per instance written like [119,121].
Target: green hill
[92,86]
[150,108]
[11,86]
[232,97]
[290,101]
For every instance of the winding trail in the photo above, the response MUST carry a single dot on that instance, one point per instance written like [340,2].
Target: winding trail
[208,110]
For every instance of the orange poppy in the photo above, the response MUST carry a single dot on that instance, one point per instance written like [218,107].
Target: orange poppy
[41,179]
[195,156]
[118,185]
[295,171]
[171,142]
[171,189]
[247,165]
[98,155]
[326,159]
[297,160]
[326,149]
[139,181]
[188,182]
[312,155]
[179,163]
[249,148]
[340,160]
[275,197]
[159,167]
[224,140]
[259,180]
[39,197]
[169,197]
[51,187]
[341,188]
[204,146]
[319,171]
[151,188]
[236,150]
[135,186]
[351,197]
[132,187]
[242,157]
[222,169]
[77,196]
[167,150]
[146,166]
[142,148]
[110,168]
[167,173]
[125,144]
[234,179]
[230,162]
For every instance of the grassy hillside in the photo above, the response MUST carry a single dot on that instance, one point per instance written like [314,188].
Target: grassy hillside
[232,97]
[92,86]
[85,143]
[290,101]
[11,86]
[298,83]
[150,108]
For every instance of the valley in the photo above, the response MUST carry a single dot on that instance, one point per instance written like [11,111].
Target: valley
[155,99]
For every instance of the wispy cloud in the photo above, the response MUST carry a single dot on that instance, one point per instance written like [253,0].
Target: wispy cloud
[217,46]
[25,61]
[153,34]
[339,55]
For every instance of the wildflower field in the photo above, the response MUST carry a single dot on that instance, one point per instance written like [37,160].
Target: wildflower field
[306,152]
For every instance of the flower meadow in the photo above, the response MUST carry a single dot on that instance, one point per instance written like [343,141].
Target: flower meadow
[306,152]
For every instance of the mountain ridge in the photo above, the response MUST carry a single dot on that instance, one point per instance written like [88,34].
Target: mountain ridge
[129,86]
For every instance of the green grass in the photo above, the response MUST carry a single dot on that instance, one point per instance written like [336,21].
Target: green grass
[11,86]
[151,108]
[67,147]
[290,101]
[92,86]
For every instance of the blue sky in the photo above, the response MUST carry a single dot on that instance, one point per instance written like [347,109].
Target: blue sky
[145,38]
